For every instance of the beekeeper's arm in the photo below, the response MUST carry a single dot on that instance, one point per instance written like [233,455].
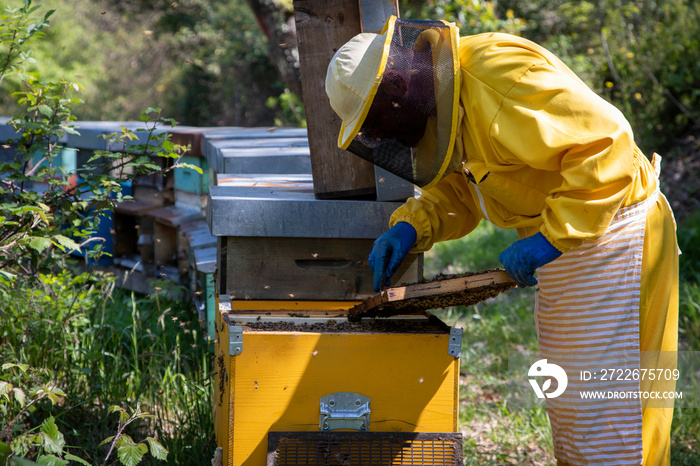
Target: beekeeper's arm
[446,211]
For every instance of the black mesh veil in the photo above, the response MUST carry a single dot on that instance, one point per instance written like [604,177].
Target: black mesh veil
[409,129]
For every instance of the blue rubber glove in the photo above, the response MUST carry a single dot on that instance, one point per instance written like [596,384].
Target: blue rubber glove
[389,250]
[525,255]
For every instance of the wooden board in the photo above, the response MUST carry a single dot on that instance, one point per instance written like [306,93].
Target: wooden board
[444,291]
[262,268]
[191,137]
[322,28]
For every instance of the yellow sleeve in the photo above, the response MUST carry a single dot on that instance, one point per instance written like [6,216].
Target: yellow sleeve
[551,121]
[444,212]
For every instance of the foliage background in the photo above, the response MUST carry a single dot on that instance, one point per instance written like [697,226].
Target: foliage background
[203,62]
[206,63]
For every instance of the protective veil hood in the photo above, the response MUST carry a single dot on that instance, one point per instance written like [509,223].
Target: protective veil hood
[424,50]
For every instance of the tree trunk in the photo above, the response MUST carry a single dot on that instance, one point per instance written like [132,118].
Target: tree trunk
[276,19]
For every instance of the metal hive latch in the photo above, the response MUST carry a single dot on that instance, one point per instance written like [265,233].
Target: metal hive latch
[454,348]
[344,410]
[235,340]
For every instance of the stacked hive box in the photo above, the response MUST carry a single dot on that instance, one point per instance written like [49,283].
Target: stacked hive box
[288,364]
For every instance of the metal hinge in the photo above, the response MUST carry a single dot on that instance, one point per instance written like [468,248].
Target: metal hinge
[344,410]
[235,340]
[454,348]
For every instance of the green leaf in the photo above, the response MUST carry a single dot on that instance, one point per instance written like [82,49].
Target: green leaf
[157,450]
[106,441]
[131,455]
[39,244]
[115,408]
[168,145]
[45,110]
[51,460]
[67,242]
[5,388]
[20,396]
[76,459]
[5,451]
[53,393]
[70,130]
[52,440]
[125,440]
[22,367]
[190,166]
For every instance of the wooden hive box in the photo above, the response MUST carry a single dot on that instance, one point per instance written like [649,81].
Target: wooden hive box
[278,242]
[279,377]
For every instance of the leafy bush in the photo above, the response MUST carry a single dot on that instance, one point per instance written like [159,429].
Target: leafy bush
[68,341]
[471,17]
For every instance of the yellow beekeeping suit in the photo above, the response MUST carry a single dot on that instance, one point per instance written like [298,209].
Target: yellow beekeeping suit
[543,153]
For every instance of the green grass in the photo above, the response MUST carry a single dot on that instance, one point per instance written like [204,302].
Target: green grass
[103,347]
[685,432]
[496,433]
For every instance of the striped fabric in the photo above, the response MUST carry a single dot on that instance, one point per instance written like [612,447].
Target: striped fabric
[587,316]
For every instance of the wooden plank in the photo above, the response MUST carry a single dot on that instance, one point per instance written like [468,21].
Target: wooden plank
[289,315]
[265,181]
[322,28]
[304,268]
[191,137]
[447,286]
[200,238]
[173,216]
[205,260]
[457,290]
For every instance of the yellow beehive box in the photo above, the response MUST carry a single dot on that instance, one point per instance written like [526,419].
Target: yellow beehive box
[277,371]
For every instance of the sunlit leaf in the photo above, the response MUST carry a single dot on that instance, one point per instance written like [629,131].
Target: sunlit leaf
[52,440]
[168,145]
[20,396]
[114,408]
[5,388]
[191,166]
[67,242]
[157,450]
[21,367]
[39,244]
[131,455]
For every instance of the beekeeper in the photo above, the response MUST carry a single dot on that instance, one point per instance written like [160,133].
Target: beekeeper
[495,127]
